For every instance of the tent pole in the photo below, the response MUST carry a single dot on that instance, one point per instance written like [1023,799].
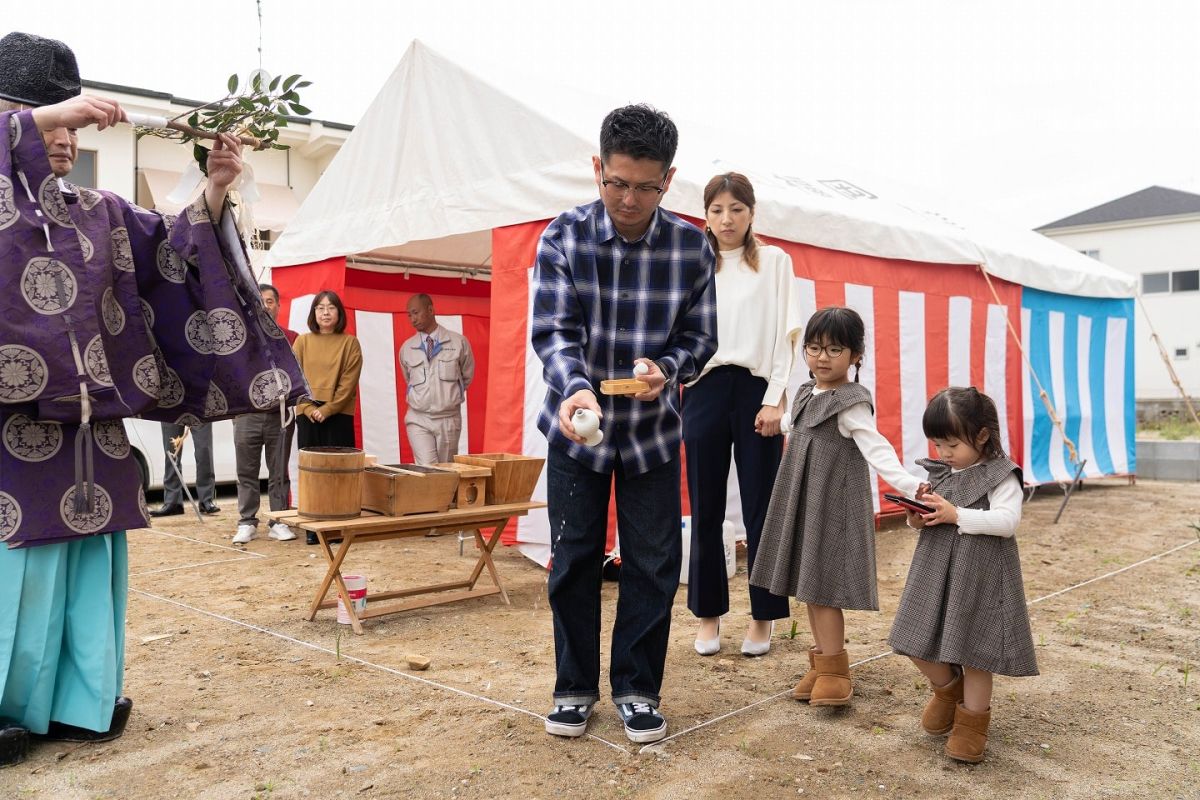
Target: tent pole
[467,270]
[1069,490]
[1162,351]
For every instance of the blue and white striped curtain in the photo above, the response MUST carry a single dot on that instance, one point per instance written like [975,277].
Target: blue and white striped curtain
[1081,349]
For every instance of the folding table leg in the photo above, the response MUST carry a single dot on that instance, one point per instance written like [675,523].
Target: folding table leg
[485,559]
[345,594]
[332,575]
[330,571]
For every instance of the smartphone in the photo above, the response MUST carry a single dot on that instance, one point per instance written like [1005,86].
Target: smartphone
[912,505]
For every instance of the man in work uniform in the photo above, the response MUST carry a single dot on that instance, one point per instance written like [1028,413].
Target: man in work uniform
[438,367]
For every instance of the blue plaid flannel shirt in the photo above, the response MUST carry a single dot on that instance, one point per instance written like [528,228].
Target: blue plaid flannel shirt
[601,302]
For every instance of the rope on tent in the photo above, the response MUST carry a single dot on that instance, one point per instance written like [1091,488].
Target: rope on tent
[1058,423]
[1162,351]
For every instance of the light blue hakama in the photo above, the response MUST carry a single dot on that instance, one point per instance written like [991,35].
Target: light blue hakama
[62,632]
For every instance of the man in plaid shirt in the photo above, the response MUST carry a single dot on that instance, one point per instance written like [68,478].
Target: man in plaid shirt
[619,281]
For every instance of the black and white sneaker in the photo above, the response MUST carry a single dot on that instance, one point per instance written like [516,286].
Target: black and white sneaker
[569,720]
[642,721]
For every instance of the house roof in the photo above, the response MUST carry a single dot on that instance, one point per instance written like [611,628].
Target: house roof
[1155,201]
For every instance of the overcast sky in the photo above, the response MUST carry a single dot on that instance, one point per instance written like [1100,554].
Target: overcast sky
[1032,110]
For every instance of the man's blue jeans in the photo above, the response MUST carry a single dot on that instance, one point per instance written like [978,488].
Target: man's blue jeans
[648,518]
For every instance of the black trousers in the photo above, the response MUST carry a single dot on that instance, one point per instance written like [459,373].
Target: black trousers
[718,415]
[335,431]
[648,515]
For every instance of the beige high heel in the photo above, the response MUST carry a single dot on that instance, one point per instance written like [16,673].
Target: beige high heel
[710,647]
[753,648]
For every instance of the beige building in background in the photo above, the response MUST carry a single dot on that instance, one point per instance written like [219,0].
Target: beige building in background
[1154,235]
[147,169]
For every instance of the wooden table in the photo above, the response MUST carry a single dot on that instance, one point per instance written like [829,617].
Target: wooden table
[370,527]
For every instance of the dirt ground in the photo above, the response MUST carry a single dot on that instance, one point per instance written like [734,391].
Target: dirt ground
[238,696]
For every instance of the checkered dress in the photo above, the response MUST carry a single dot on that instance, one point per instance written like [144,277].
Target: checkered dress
[964,602]
[818,541]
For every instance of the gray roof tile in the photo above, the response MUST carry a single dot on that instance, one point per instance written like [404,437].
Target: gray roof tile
[1155,201]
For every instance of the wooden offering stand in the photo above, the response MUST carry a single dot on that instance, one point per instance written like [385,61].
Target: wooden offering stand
[472,484]
[624,386]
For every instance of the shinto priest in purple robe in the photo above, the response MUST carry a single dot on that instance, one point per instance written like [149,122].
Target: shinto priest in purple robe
[113,311]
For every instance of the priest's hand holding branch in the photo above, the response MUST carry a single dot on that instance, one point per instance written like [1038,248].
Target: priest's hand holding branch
[224,167]
[79,112]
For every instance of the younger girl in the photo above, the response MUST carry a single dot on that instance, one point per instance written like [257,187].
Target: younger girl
[818,541]
[963,616]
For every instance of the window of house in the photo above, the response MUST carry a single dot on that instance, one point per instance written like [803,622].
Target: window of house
[1185,281]
[1181,352]
[84,171]
[1091,254]
[1156,282]
[262,239]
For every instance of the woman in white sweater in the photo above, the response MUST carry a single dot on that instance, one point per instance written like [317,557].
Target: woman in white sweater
[737,404]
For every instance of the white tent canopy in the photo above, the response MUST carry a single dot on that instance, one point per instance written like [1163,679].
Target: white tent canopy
[443,153]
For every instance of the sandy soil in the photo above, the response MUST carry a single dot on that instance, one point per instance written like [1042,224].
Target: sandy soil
[238,696]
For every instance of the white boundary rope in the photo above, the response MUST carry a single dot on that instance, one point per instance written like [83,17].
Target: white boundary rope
[1115,571]
[190,566]
[363,662]
[757,703]
[206,544]
[487,700]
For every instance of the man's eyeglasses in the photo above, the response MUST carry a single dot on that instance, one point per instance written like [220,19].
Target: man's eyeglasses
[621,188]
[832,350]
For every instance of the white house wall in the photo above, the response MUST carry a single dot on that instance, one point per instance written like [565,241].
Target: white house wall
[1155,247]
[114,157]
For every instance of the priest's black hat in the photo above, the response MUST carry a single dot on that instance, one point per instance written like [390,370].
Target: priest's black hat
[36,71]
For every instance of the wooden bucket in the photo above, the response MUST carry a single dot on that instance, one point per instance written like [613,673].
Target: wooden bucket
[330,482]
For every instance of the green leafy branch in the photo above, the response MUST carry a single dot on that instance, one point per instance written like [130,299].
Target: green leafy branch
[255,114]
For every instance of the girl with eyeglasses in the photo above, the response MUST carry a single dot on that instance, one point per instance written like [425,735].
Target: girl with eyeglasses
[737,404]
[818,541]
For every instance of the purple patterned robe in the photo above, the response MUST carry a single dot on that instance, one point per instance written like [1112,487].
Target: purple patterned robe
[112,311]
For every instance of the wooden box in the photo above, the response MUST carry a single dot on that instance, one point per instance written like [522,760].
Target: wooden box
[407,489]
[513,476]
[472,484]
[624,386]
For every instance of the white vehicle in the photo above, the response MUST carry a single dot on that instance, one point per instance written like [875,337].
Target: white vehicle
[145,437]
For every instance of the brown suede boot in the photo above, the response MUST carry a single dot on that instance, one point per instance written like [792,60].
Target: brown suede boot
[803,689]
[938,718]
[832,687]
[968,740]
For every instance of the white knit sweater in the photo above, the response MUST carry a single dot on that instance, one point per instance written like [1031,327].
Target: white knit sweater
[758,318]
